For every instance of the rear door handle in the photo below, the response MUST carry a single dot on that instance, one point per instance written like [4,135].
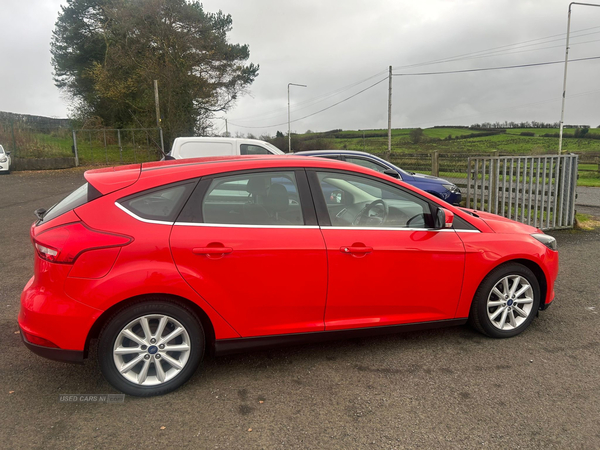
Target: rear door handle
[356,249]
[212,250]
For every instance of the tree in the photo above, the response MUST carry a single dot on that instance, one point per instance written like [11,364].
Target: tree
[415,135]
[107,53]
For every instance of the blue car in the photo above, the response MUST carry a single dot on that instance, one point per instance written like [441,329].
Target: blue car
[439,187]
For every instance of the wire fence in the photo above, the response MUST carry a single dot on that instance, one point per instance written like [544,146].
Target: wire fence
[109,146]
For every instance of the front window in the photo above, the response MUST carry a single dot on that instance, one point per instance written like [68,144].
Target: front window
[354,201]
[366,163]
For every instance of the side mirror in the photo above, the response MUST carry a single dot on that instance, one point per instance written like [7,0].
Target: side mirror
[336,197]
[444,218]
[392,173]
[8,153]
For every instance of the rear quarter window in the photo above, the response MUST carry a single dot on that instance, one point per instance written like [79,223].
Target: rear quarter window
[161,204]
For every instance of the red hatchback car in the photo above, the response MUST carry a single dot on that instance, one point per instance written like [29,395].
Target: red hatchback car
[165,261]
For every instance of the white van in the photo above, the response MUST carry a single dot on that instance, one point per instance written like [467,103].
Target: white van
[195,147]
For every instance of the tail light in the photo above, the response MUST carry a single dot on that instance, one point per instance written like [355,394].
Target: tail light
[64,244]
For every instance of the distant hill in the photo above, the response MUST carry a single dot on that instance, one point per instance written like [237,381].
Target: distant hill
[29,121]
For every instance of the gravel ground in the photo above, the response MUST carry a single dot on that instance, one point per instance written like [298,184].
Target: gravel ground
[450,388]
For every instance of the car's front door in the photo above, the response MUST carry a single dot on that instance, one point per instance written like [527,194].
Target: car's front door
[386,264]
[249,244]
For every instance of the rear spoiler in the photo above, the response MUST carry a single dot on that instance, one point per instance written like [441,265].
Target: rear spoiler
[112,179]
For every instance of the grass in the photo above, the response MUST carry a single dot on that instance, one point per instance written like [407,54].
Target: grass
[453,151]
[586,222]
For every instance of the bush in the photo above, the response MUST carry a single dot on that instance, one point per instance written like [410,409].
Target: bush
[527,133]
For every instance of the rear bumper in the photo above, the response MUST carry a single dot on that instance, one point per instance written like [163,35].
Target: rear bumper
[51,315]
[56,354]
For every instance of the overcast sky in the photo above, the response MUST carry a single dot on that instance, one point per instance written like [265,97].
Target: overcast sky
[338,48]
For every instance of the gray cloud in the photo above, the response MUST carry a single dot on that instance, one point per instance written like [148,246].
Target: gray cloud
[335,44]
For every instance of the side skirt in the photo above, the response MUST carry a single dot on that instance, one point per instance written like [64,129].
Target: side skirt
[237,345]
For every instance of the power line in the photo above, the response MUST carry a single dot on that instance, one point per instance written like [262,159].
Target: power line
[317,112]
[493,49]
[492,68]
[312,101]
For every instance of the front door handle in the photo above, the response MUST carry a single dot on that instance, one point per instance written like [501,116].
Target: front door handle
[212,250]
[353,249]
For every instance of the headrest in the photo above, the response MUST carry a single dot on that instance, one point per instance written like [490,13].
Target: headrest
[277,198]
[257,186]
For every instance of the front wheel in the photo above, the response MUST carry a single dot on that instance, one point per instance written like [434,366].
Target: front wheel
[150,348]
[506,301]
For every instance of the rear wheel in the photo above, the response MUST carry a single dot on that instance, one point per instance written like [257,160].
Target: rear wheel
[506,301]
[150,348]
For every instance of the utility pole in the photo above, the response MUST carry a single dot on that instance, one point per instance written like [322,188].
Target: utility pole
[562,111]
[226,129]
[389,149]
[162,142]
[289,121]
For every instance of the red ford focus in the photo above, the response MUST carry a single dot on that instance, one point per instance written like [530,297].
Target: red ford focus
[162,262]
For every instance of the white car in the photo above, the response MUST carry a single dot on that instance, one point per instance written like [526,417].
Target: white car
[4,161]
[195,147]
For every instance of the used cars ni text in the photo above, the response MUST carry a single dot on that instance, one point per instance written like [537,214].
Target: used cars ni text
[163,262]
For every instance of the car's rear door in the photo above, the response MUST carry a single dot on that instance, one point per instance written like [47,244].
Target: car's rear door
[249,244]
[384,270]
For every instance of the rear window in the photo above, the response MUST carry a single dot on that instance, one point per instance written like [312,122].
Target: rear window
[78,197]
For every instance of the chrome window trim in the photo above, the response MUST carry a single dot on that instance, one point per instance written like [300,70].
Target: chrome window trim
[301,227]
[401,229]
[236,225]
[141,219]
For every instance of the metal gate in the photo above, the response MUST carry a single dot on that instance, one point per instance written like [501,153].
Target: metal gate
[536,190]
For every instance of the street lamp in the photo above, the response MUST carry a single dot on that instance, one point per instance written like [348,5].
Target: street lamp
[562,111]
[289,127]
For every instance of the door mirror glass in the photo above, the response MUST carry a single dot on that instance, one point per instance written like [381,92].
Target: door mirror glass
[444,218]
[336,197]
[392,173]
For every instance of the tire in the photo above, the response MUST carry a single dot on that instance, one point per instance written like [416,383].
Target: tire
[502,310]
[162,366]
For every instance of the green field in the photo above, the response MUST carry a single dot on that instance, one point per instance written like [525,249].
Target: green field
[454,144]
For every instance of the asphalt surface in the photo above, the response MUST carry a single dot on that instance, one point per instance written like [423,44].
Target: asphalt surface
[446,388]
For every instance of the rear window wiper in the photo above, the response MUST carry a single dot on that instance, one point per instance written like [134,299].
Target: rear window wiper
[39,213]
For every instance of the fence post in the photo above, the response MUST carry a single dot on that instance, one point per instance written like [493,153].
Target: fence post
[162,142]
[469,183]
[435,164]
[120,148]
[12,127]
[75,148]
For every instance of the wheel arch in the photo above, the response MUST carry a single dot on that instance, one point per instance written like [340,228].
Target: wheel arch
[534,267]
[209,331]
[539,274]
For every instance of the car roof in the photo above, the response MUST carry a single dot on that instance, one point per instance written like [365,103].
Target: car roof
[159,173]
[218,164]
[335,152]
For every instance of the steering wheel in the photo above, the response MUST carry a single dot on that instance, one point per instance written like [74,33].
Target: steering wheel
[417,221]
[363,217]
